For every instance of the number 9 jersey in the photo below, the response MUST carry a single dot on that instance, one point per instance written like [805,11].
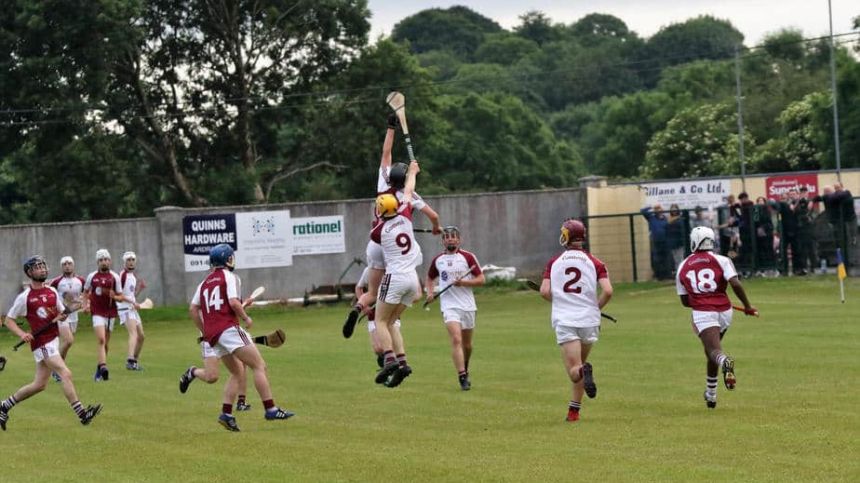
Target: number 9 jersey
[402,253]
[703,277]
[573,277]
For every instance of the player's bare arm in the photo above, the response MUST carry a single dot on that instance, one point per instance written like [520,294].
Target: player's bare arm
[430,288]
[409,187]
[385,159]
[546,290]
[470,282]
[605,292]
[194,313]
[431,215]
[685,300]
[236,305]
[13,327]
[742,295]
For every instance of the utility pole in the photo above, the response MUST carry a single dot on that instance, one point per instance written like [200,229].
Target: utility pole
[835,103]
[740,119]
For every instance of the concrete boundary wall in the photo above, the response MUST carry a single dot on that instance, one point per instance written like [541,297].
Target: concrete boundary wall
[517,229]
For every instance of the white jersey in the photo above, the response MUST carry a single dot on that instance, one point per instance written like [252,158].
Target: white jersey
[573,277]
[382,187]
[399,248]
[127,286]
[362,280]
[69,288]
[448,267]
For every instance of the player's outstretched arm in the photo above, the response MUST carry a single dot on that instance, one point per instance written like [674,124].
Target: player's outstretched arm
[431,215]
[546,290]
[13,327]
[605,292]
[742,295]
[388,143]
[409,186]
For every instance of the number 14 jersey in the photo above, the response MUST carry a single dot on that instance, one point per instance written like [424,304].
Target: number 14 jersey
[703,277]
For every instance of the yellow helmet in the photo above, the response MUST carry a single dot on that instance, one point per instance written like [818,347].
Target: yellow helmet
[386,205]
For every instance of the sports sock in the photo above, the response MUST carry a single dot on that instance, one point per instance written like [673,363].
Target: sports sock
[358,308]
[78,408]
[711,386]
[462,375]
[131,360]
[9,403]
[718,356]
[269,404]
[401,360]
[389,357]
[227,408]
[241,399]
[574,406]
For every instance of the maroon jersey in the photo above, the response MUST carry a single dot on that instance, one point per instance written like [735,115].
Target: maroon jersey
[100,285]
[213,297]
[39,306]
[703,277]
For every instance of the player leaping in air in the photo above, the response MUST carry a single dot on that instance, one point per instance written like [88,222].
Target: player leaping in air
[570,282]
[400,286]
[701,282]
[391,180]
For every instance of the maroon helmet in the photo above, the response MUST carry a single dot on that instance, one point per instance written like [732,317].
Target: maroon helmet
[571,231]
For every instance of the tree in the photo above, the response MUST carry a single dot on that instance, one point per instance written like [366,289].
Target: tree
[459,30]
[595,28]
[505,49]
[537,27]
[703,37]
[698,141]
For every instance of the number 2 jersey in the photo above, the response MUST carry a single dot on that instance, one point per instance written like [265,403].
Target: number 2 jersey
[213,298]
[573,277]
[402,253]
[703,277]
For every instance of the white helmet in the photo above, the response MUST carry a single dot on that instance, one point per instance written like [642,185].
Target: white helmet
[702,238]
[102,253]
[127,255]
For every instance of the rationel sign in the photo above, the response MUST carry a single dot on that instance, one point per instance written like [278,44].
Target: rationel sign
[261,239]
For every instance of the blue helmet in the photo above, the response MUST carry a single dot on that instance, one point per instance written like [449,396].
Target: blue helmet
[221,256]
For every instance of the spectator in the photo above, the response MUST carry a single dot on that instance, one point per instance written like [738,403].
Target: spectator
[657,225]
[788,224]
[763,224]
[805,234]
[744,210]
[675,235]
[728,227]
[839,207]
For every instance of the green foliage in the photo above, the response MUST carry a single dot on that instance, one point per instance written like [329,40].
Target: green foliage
[505,49]
[803,142]
[457,29]
[538,28]
[698,141]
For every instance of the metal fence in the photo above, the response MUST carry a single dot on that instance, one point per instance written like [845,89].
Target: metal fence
[763,239]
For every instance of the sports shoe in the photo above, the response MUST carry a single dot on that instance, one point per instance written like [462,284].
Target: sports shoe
[465,383]
[229,422]
[278,413]
[399,375]
[2,363]
[729,373]
[588,380]
[242,406]
[380,360]
[572,415]
[133,366]
[185,380]
[56,377]
[349,325]
[386,371]
[98,375]
[710,401]
[4,416]
[90,413]
[104,373]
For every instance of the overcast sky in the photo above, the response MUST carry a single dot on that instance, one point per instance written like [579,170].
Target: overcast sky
[754,18]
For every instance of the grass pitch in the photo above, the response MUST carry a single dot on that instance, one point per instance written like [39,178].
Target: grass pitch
[793,417]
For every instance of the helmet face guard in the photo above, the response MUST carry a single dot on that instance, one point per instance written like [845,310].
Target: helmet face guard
[451,238]
[34,263]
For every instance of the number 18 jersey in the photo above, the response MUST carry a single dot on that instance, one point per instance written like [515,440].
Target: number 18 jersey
[573,277]
[703,277]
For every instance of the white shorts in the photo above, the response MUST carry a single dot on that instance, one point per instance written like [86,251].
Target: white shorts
[71,324]
[126,314]
[232,339]
[375,257]
[47,351]
[371,325]
[704,320]
[100,321]
[565,333]
[466,318]
[399,288]
[207,350]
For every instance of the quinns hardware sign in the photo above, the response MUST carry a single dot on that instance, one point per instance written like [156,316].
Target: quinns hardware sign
[687,194]
[261,239]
